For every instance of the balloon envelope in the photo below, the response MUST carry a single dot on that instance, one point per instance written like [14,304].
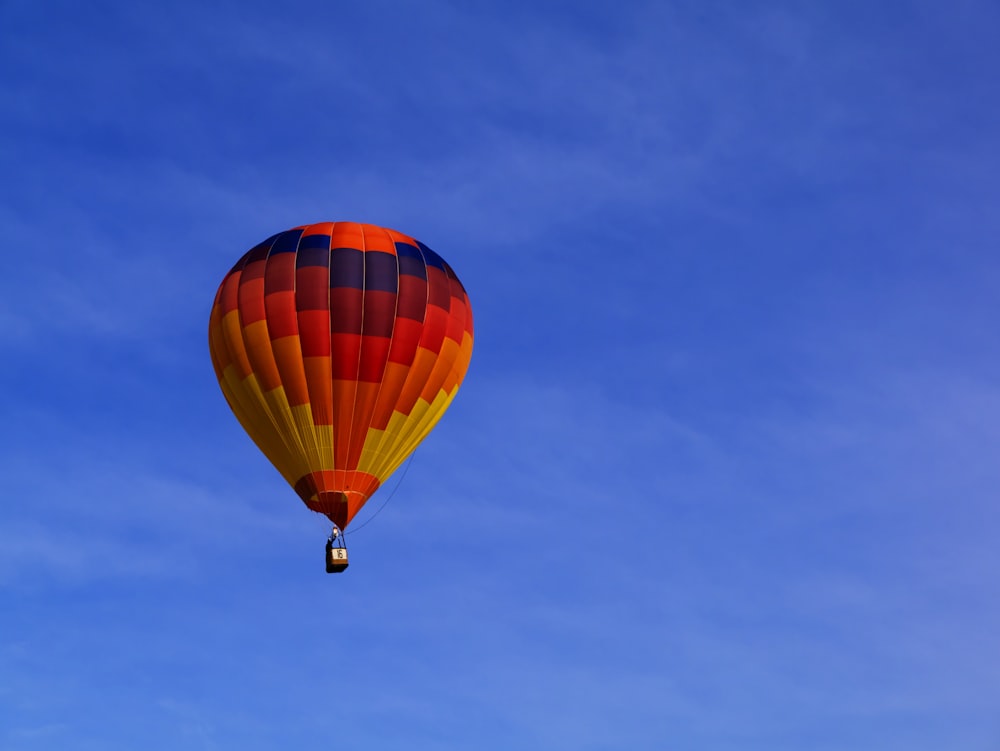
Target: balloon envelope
[339,346]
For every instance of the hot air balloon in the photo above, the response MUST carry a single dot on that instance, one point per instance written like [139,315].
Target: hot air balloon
[338,347]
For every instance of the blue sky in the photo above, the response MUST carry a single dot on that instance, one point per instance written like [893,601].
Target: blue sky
[722,474]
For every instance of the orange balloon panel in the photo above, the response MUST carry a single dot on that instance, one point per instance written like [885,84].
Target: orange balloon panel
[339,346]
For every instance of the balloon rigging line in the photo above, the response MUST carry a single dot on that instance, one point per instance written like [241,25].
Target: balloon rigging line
[379,509]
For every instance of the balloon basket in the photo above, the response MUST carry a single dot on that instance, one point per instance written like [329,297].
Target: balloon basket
[336,558]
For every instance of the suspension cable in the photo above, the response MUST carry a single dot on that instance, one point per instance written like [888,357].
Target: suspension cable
[389,498]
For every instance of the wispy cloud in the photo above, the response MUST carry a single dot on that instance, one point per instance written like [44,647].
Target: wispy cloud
[721,475]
